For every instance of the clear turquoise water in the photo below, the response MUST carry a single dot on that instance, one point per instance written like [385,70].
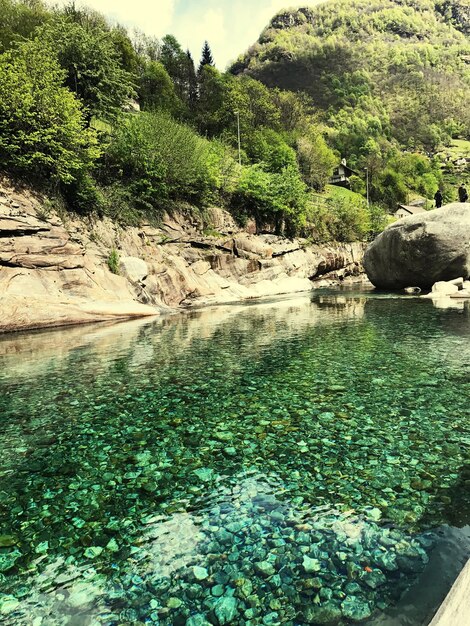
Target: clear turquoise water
[284,463]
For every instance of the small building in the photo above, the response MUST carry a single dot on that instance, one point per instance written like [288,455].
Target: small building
[404,210]
[341,175]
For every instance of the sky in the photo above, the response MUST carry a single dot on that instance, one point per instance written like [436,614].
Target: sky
[230,26]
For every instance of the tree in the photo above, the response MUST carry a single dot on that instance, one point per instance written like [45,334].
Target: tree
[93,70]
[316,159]
[212,102]
[192,81]
[156,89]
[19,20]
[206,57]
[175,61]
[42,126]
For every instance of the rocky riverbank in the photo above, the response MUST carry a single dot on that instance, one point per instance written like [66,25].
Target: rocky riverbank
[55,270]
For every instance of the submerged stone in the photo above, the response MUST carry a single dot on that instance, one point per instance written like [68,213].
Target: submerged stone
[355,609]
[8,604]
[225,610]
[7,541]
[197,620]
[200,573]
[265,568]
[311,565]
[328,614]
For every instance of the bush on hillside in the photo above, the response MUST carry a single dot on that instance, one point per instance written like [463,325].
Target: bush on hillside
[275,199]
[162,160]
[345,220]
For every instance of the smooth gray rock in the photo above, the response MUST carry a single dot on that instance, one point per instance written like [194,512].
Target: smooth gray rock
[422,249]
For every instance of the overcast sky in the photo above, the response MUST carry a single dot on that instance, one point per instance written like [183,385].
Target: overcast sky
[230,26]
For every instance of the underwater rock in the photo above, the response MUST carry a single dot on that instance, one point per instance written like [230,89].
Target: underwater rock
[265,568]
[311,565]
[8,604]
[200,573]
[8,541]
[327,615]
[197,620]
[355,609]
[225,610]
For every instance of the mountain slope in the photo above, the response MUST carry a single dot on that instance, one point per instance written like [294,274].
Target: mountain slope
[405,61]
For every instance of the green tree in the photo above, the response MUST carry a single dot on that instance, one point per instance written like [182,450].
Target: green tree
[193,89]
[206,57]
[19,20]
[268,147]
[278,200]
[176,64]
[93,70]
[316,159]
[213,102]
[159,160]
[156,89]
[42,130]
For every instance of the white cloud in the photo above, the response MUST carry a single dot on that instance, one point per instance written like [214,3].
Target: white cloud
[230,26]
[192,33]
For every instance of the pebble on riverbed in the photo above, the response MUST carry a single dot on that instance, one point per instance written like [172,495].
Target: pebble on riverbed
[259,563]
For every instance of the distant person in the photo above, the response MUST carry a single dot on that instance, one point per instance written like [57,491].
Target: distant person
[463,194]
[438,199]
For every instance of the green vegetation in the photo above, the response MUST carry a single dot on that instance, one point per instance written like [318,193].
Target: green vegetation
[42,126]
[321,84]
[113,261]
[385,75]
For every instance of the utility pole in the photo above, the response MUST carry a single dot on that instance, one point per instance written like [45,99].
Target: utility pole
[237,113]
[367,184]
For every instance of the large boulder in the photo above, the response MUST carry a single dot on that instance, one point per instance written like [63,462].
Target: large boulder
[421,249]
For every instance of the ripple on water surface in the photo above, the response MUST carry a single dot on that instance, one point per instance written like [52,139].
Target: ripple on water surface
[284,463]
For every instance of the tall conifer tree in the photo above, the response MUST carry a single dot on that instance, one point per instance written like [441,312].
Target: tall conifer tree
[206,58]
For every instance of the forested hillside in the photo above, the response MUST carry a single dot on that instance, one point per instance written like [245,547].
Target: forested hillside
[122,124]
[383,73]
[399,67]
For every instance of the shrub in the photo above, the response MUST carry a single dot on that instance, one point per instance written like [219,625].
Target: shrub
[161,160]
[345,220]
[277,199]
[113,261]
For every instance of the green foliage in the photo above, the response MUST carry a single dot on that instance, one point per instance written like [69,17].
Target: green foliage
[377,67]
[276,199]
[19,21]
[88,53]
[206,57]
[156,89]
[41,123]
[267,146]
[113,261]
[160,159]
[316,159]
[355,79]
[345,218]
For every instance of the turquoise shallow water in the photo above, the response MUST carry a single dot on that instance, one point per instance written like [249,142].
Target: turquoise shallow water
[294,462]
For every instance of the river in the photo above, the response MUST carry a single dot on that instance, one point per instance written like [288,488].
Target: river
[299,461]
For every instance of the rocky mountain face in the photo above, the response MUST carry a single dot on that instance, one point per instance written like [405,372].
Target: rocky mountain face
[56,270]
